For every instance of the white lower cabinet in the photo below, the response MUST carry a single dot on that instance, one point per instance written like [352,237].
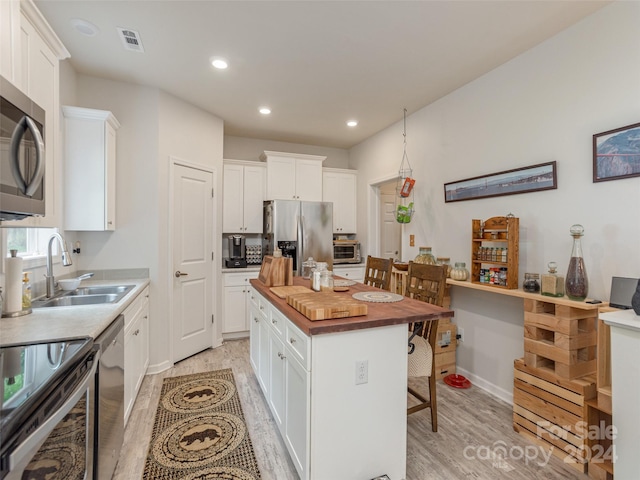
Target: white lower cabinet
[235,303]
[352,273]
[297,413]
[276,396]
[136,348]
[280,359]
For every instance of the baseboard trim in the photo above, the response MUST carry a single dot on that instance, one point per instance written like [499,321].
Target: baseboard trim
[490,388]
[159,367]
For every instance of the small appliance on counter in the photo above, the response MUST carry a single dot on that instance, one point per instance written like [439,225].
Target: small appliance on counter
[237,257]
[346,251]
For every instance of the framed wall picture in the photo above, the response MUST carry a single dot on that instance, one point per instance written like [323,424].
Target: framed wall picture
[509,182]
[616,153]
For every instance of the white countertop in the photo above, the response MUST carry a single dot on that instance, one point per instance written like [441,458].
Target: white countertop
[67,322]
[623,319]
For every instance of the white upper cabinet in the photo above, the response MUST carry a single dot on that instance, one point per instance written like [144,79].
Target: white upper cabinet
[30,54]
[244,189]
[339,187]
[292,176]
[90,169]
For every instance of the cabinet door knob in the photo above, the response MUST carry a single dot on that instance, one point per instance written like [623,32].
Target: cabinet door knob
[292,340]
[179,274]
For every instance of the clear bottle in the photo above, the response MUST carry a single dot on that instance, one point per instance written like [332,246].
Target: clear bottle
[576,284]
[326,281]
[26,291]
[446,262]
[307,268]
[317,275]
[425,256]
[552,284]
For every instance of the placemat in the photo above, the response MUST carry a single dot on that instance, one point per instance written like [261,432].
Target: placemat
[381,297]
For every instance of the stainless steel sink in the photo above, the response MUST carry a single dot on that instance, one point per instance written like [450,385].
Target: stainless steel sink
[101,290]
[94,295]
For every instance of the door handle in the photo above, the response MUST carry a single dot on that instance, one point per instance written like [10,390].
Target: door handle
[179,274]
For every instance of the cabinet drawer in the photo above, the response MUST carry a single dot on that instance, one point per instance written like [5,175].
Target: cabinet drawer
[278,323]
[258,301]
[135,306]
[238,279]
[299,345]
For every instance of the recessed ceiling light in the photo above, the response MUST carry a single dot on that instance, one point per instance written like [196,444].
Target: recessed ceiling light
[352,123]
[84,27]
[219,63]
[264,110]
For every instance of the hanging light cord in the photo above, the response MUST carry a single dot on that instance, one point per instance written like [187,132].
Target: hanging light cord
[404,153]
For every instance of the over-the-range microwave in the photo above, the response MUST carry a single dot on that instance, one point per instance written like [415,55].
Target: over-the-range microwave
[22,155]
[346,251]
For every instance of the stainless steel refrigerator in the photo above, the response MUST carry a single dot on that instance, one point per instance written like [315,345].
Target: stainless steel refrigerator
[300,230]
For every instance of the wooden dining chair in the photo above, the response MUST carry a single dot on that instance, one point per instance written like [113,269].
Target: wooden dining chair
[427,284]
[378,272]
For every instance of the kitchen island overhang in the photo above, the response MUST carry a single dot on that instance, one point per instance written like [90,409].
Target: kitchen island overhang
[333,424]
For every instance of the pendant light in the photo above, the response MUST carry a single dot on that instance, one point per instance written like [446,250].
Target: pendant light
[404,187]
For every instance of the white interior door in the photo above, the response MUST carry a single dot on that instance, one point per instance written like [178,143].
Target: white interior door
[192,261]
[390,229]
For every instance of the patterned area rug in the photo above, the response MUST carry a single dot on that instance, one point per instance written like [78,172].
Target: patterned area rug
[199,431]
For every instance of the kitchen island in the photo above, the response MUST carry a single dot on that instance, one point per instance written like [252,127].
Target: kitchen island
[337,389]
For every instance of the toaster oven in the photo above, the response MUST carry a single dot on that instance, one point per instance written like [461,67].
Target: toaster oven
[346,251]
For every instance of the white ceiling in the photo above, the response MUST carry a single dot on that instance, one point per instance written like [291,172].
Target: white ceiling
[317,64]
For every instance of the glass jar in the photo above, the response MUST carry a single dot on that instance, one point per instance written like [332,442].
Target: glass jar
[326,281]
[459,271]
[446,262]
[552,284]
[531,283]
[317,275]
[576,284]
[307,268]
[425,256]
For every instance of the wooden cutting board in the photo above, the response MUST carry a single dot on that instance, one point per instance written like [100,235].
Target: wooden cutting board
[283,292]
[326,305]
[276,271]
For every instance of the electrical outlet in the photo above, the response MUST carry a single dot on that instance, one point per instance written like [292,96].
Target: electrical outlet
[362,372]
[460,334]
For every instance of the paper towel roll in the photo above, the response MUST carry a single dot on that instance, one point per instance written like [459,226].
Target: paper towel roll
[13,284]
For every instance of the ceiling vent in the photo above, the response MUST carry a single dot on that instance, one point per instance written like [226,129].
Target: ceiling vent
[131,40]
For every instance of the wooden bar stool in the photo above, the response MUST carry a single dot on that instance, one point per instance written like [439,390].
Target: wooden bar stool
[378,272]
[425,283]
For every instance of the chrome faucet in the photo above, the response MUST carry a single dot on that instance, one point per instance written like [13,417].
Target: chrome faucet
[66,261]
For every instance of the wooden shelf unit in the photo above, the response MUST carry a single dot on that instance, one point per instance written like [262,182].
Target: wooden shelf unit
[551,412]
[496,232]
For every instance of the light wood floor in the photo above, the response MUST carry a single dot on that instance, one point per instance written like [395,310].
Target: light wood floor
[471,425]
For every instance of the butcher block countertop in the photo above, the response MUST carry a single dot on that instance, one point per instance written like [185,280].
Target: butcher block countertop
[378,314]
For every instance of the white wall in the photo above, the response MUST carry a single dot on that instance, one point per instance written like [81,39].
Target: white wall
[544,105]
[194,136]
[241,148]
[154,126]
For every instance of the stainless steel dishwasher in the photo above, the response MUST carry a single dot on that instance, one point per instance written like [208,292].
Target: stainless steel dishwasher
[110,400]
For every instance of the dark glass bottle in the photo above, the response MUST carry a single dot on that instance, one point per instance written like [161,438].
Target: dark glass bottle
[576,284]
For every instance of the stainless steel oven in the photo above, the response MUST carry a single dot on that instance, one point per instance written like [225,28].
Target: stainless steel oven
[22,154]
[47,416]
[346,251]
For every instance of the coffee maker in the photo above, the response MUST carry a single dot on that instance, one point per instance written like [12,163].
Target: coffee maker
[237,257]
